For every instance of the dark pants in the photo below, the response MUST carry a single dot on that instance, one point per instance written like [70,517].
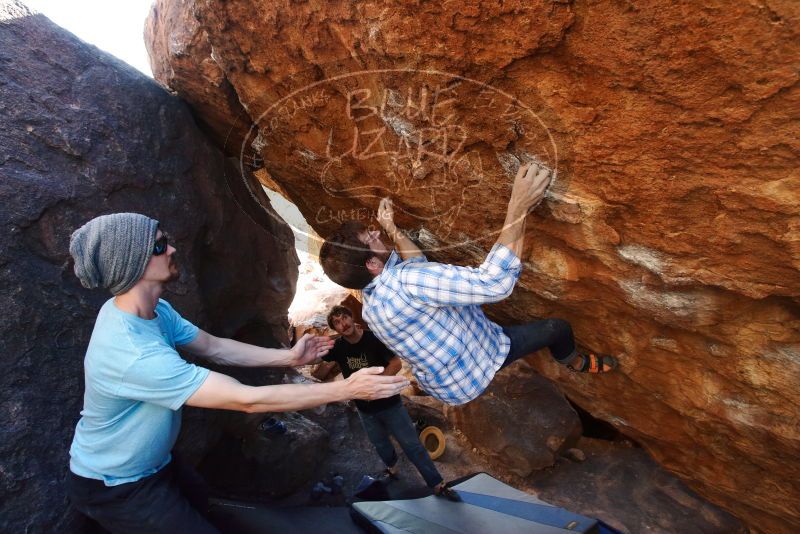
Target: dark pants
[395,421]
[173,500]
[555,334]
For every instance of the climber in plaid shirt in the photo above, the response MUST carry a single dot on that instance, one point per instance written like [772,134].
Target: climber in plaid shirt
[429,313]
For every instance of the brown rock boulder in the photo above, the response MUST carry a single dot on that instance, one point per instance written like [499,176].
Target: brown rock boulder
[82,134]
[624,487]
[669,237]
[249,464]
[522,422]
[189,68]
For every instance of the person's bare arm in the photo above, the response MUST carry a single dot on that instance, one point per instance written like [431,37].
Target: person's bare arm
[405,247]
[226,393]
[439,284]
[393,367]
[529,187]
[229,352]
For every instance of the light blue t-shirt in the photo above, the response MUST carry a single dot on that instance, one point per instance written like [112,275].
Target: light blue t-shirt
[136,384]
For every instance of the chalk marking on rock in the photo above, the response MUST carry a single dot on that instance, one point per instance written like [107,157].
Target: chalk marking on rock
[401,127]
[644,257]
[259,143]
[308,154]
[654,261]
[426,238]
[665,343]
[618,421]
[743,412]
[679,304]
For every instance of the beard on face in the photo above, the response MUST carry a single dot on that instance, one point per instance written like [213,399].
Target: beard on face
[174,271]
[384,256]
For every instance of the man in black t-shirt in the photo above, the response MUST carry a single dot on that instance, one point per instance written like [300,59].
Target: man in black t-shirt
[357,349]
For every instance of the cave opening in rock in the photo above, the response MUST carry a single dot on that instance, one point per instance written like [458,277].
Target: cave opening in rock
[597,428]
[315,293]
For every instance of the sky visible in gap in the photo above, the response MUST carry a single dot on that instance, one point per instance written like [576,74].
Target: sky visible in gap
[115,26]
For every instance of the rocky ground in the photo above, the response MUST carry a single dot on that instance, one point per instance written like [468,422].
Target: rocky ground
[615,481]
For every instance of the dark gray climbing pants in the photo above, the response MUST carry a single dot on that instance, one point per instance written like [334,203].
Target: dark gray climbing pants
[555,334]
[395,421]
[171,501]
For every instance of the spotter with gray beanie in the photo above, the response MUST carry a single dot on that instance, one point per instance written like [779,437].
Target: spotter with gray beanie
[123,474]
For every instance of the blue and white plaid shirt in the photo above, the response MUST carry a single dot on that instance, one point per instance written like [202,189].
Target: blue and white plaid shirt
[429,314]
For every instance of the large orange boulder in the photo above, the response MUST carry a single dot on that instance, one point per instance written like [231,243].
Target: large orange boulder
[671,235]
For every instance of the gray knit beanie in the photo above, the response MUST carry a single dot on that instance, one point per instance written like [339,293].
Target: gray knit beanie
[112,251]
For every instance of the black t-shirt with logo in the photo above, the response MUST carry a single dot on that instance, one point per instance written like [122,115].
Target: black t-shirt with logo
[368,352]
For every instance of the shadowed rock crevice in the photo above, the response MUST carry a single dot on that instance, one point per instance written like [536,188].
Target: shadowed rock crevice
[595,428]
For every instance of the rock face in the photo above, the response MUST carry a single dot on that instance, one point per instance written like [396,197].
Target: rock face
[190,69]
[624,487]
[669,238]
[82,134]
[246,463]
[522,422]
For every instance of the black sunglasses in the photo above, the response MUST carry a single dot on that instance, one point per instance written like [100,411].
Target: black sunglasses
[161,244]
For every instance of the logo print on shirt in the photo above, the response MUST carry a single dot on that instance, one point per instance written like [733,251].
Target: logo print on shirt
[357,362]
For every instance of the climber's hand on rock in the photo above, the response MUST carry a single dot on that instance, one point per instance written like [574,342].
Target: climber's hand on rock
[369,384]
[530,185]
[386,215]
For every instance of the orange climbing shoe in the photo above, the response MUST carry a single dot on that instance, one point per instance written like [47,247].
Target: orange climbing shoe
[595,364]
